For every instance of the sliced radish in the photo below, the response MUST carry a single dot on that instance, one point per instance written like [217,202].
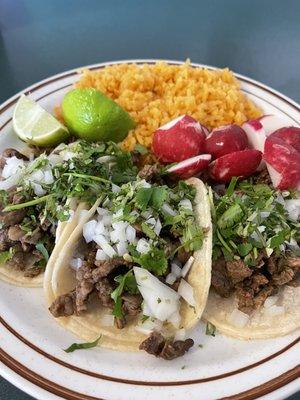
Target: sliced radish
[182,138]
[271,123]
[226,139]
[240,163]
[190,167]
[255,133]
[290,135]
[280,154]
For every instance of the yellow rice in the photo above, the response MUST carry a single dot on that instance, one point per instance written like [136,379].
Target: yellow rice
[155,94]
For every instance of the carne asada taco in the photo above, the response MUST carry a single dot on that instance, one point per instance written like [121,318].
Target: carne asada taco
[137,269]
[255,290]
[38,201]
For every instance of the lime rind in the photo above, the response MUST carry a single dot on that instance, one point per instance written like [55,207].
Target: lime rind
[35,125]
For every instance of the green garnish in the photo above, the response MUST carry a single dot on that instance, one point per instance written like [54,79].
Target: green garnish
[125,282]
[154,261]
[80,346]
[42,249]
[210,329]
[139,148]
[6,256]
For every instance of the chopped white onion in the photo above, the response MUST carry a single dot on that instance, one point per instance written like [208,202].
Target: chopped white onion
[38,190]
[120,226]
[89,230]
[121,248]
[117,236]
[170,278]
[180,334]
[264,214]
[175,270]
[186,291]
[187,266]
[118,214]
[292,206]
[106,220]
[104,159]
[67,155]
[151,221]
[106,247]
[186,203]
[11,181]
[107,320]
[270,301]
[55,159]
[102,211]
[100,229]
[48,177]
[238,318]
[101,256]
[175,319]
[157,227]
[292,244]
[130,234]
[274,311]
[13,164]
[160,298]
[76,263]
[143,246]
[168,209]
[115,188]
[149,325]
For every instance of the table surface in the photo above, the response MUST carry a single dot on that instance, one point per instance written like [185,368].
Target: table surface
[258,38]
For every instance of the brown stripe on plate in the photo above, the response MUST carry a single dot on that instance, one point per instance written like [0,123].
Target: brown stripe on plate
[144,383]
[68,394]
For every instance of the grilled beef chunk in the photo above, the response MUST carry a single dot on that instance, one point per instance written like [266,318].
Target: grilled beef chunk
[104,268]
[183,255]
[4,240]
[263,177]
[15,233]
[157,345]
[237,271]
[119,322]
[12,217]
[83,289]
[31,272]
[148,172]
[104,290]
[64,305]
[254,285]
[131,303]
[220,279]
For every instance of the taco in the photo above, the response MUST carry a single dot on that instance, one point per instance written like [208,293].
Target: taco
[136,270]
[255,290]
[39,194]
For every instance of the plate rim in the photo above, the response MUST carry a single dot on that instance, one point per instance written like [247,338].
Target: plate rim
[277,382]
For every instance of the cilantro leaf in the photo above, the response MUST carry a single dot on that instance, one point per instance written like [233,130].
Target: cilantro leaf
[143,197]
[232,215]
[244,249]
[5,256]
[79,346]
[42,249]
[210,329]
[158,197]
[154,261]
[148,231]
[126,282]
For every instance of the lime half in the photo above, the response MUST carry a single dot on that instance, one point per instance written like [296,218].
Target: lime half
[92,116]
[36,126]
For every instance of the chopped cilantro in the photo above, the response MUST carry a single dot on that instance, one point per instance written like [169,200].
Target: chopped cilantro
[125,282]
[210,329]
[42,249]
[79,346]
[5,256]
[154,261]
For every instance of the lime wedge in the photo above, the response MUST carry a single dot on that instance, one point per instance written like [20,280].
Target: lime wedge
[36,126]
[92,116]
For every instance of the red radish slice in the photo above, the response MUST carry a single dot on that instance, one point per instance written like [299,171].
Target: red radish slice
[290,135]
[285,160]
[271,123]
[178,140]
[191,167]
[255,133]
[226,139]
[240,163]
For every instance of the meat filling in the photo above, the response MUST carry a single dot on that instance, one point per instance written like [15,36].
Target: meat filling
[167,349]
[252,286]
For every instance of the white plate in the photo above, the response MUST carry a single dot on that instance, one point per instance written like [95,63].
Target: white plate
[31,352]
